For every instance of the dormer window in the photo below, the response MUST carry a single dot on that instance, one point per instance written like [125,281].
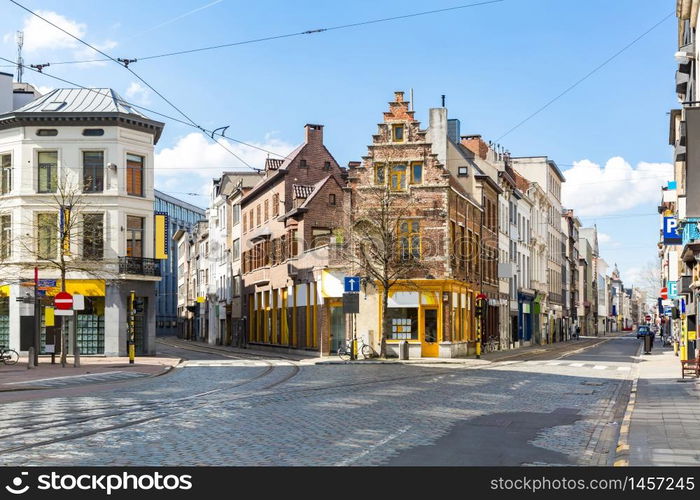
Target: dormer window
[326,165]
[397,133]
[463,171]
[54,106]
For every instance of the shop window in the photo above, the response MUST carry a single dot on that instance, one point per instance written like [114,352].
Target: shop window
[404,323]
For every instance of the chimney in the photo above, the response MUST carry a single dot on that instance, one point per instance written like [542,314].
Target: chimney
[437,133]
[398,96]
[6,93]
[314,133]
[476,145]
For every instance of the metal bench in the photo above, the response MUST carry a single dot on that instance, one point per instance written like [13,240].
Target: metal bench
[690,366]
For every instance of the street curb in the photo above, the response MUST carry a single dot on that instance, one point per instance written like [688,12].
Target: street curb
[622,451]
[165,371]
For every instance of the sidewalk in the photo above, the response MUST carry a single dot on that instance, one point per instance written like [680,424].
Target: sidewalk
[665,418]
[547,351]
[92,370]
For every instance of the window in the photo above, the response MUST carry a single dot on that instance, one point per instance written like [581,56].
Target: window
[320,237]
[259,215]
[302,164]
[379,174]
[397,133]
[409,239]
[134,175]
[236,249]
[267,210]
[235,214]
[93,171]
[245,222]
[236,281]
[134,236]
[47,236]
[93,236]
[416,173]
[463,171]
[5,236]
[326,165]
[5,173]
[93,132]
[275,204]
[47,132]
[331,199]
[48,167]
[398,177]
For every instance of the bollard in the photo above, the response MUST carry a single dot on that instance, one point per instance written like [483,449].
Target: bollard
[30,358]
[403,350]
[76,356]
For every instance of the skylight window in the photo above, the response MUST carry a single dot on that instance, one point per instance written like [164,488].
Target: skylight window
[54,106]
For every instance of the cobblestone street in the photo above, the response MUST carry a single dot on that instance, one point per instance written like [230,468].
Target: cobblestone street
[258,412]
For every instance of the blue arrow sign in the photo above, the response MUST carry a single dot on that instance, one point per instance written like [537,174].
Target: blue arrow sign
[352,284]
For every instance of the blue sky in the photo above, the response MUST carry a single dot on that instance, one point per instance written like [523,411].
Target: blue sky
[495,63]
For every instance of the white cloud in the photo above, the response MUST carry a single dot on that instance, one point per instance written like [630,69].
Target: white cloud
[40,35]
[87,54]
[43,90]
[139,93]
[592,190]
[603,238]
[191,164]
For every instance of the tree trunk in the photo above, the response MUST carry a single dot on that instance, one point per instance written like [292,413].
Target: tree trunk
[385,322]
[64,334]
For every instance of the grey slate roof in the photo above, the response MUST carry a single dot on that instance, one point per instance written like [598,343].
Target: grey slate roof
[80,101]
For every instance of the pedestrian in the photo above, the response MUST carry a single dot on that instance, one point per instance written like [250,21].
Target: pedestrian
[578,332]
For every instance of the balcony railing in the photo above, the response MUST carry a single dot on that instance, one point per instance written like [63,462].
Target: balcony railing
[139,265]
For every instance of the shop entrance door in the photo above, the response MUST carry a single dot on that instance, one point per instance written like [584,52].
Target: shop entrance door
[429,333]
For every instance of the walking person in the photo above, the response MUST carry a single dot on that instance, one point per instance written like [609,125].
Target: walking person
[578,332]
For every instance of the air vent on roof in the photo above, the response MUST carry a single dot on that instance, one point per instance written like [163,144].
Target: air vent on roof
[54,106]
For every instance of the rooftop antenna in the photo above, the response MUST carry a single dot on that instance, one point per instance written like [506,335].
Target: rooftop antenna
[20,61]
[443,100]
[411,98]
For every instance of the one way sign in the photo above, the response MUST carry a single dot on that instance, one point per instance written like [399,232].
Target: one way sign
[352,284]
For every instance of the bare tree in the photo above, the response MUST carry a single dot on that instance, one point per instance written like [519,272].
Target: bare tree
[67,238]
[380,243]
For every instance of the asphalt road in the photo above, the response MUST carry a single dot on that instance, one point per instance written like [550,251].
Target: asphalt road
[277,412]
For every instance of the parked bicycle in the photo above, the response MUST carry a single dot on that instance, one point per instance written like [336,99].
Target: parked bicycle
[489,346]
[8,356]
[345,351]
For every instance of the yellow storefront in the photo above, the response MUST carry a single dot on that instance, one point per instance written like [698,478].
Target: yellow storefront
[436,318]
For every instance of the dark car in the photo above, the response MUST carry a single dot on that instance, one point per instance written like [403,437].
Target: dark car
[643,330]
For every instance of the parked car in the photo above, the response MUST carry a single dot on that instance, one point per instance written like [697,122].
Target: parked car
[643,330]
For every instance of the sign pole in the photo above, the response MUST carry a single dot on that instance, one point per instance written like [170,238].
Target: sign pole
[37,319]
[132,314]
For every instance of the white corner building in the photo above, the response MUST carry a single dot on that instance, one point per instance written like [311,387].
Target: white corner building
[92,139]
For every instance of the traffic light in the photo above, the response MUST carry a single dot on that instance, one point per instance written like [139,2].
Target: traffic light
[481,306]
[138,305]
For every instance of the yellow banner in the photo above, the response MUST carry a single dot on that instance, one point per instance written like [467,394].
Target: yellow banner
[48,316]
[89,288]
[4,290]
[161,232]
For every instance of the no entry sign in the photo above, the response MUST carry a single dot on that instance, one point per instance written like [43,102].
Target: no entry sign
[63,301]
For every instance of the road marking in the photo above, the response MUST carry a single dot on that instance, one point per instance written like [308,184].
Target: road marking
[600,367]
[622,368]
[554,363]
[373,447]
[577,365]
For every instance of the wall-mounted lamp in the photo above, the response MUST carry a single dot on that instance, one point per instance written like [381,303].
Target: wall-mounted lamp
[113,166]
[445,296]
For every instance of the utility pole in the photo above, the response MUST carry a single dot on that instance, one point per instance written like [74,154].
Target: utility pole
[37,317]
[20,60]
[132,317]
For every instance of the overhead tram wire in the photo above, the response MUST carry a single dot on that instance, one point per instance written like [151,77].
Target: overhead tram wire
[287,35]
[126,65]
[148,110]
[585,77]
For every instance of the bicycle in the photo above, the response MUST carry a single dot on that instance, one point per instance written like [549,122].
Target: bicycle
[489,345]
[8,356]
[345,351]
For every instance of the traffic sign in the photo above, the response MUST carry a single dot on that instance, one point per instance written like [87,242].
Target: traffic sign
[352,284]
[664,293]
[63,301]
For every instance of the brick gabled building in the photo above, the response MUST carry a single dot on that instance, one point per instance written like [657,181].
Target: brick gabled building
[433,307]
[289,220]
